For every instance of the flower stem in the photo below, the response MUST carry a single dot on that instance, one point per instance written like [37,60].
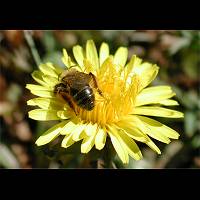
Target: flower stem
[32,47]
[107,156]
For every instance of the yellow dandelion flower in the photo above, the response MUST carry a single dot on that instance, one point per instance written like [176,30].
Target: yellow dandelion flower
[120,113]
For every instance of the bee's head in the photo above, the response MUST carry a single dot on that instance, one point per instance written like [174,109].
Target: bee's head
[72,69]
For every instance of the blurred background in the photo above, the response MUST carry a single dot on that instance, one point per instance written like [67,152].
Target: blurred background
[177,53]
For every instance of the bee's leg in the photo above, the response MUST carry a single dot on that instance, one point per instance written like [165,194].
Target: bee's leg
[68,99]
[62,91]
[93,77]
[59,88]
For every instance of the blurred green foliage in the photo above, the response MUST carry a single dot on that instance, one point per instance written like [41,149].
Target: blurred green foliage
[176,52]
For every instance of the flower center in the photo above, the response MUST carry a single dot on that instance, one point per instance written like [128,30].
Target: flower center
[118,96]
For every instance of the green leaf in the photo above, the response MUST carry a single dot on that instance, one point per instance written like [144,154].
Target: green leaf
[190,122]
[49,41]
[54,57]
[7,158]
[190,64]
[196,141]
[190,99]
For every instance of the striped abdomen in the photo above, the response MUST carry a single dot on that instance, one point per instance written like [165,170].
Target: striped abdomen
[84,97]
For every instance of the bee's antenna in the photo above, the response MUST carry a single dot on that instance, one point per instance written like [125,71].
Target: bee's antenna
[75,65]
[71,66]
[59,76]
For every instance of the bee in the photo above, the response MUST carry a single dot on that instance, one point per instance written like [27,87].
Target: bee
[76,88]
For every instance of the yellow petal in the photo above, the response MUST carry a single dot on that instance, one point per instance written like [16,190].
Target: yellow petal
[168,102]
[37,76]
[158,136]
[77,132]
[152,132]
[88,141]
[132,131]
[147,73]
[91,54]
[134,62]
[51,81]
[45,103]
[159,127]
[48,70]
[90,128]
[88,67]
[103,53]
[121,56]
[65,58]
[37,87]
[157,111]
[132,148]
[62,114]
[43,93]
[153,95]
[67,129]
[50,134]
[57,69]
[67,141]
[135,124]
[105,67]
[100,139]
[151,144]
[122,153]
[129,68]
[43,115]
[79,55]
